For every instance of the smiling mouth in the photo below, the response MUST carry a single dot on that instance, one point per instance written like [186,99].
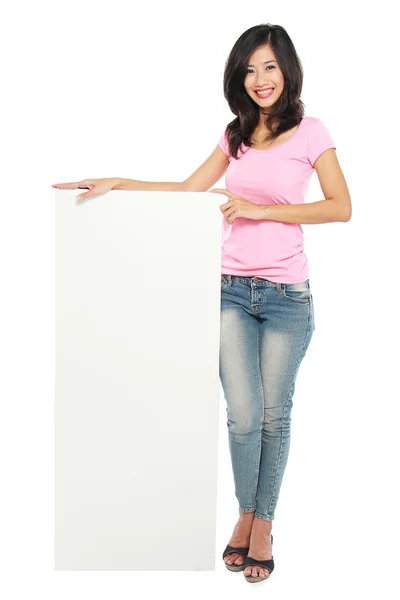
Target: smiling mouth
[264,93]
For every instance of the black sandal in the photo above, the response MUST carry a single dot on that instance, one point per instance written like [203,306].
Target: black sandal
[252,562]
[242,551]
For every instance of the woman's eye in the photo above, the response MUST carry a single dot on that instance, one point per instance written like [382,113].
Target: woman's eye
[268,67]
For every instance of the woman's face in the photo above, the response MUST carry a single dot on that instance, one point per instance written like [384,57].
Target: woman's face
[263,72]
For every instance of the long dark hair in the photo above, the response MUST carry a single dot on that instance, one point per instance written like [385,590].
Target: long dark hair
[287,112]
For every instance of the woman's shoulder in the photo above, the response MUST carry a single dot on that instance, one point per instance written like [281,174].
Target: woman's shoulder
[318,137]
[314,127]
[313,122]
[309,121]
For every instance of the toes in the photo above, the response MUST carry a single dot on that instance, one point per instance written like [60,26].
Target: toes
[231,558]
[255,572]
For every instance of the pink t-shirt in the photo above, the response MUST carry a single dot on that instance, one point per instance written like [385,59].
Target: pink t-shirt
[271,250]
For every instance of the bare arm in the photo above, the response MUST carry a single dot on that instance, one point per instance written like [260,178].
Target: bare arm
[201,180]
[148,186]
[209,172]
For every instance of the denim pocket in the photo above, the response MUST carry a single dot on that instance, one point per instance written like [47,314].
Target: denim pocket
[297,292]
[225,280]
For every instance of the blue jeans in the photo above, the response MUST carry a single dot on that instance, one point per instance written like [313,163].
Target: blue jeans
[266,328]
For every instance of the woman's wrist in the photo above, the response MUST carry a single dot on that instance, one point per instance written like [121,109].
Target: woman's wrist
[116,181]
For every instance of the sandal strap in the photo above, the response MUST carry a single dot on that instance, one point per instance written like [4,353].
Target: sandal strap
[252,562]
[243,552]
[229,549]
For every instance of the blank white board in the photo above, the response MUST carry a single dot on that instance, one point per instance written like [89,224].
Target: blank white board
[137,380]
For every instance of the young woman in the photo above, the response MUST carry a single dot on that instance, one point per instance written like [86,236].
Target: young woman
[268,152]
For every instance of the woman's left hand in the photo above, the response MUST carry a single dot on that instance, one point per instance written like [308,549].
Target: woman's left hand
[239,207]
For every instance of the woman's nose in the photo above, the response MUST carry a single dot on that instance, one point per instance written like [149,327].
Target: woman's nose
[262,84]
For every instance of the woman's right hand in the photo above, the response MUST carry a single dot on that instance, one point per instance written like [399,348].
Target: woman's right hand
[96,187]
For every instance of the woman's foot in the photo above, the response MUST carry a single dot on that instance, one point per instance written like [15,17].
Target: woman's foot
[260,547]
[240,538]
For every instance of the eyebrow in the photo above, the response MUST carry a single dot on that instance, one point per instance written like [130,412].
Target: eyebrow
[264,63]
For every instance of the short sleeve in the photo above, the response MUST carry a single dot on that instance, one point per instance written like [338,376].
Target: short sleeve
[223,144]
[318,140]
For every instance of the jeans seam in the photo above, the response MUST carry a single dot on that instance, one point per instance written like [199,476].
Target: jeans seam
[262,410]
[300,358]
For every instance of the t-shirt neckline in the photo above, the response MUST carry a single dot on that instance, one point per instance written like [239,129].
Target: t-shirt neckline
[283,143]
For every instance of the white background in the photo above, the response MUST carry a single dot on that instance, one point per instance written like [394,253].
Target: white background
[127,90]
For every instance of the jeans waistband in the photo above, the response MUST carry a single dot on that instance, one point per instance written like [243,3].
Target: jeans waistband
[258,282]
